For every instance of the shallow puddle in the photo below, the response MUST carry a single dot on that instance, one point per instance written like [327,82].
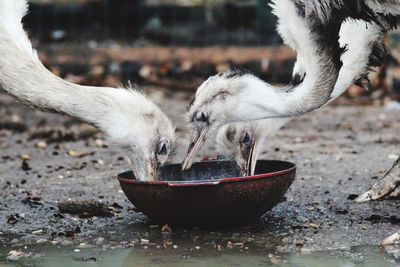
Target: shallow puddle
[207,255]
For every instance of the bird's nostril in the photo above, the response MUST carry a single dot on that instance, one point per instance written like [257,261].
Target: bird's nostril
[246,139]
[163,150]
[202,117]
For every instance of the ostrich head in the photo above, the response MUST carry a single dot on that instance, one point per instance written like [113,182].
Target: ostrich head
[215,100]
[238,141]
[243,142]
[140,129]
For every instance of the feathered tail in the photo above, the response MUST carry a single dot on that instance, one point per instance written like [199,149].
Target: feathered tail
[364,49]
[384,13]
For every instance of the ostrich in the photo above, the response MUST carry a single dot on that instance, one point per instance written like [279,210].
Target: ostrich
[239,97]
[387,14]
[243,141]
[127,117]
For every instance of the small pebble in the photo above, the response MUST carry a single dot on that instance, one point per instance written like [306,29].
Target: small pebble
[15,255]
[25,157]
[41,144]
[41,241]
[144,241]
[99,241]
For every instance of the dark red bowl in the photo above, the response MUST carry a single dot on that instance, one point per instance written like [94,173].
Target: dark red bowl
[210,194]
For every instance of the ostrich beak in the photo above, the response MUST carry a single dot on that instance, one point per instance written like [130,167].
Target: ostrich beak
[198,139]
[152,170]
[249,155]
[146,170]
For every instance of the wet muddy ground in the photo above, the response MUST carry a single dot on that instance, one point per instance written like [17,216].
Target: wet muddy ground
[58,186]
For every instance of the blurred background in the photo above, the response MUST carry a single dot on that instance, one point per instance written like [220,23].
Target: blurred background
[175,44]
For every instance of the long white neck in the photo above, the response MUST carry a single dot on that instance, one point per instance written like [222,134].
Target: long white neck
[24,76]
[318,60]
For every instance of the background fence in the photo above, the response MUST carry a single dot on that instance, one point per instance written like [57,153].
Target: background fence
[172,43]
[156,22]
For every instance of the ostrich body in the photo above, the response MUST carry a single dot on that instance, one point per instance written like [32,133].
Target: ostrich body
[243,141]
[128,118]
[387,14]
[240,97]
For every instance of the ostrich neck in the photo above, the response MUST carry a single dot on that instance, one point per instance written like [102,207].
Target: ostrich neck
[26,79]
[313,80]
[318,66]
[318,62]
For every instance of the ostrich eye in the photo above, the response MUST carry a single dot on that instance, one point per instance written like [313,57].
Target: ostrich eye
[222,95]
[163,150]
[246,139]
[201,117]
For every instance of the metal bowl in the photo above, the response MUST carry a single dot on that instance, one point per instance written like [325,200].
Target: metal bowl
[210,194]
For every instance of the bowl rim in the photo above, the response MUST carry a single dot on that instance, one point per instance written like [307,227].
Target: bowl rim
[211,182]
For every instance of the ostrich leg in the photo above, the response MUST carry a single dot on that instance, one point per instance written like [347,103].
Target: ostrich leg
[388,185]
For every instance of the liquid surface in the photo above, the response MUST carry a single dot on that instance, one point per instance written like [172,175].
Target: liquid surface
[201,255]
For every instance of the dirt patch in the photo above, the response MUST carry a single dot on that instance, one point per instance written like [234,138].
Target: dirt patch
[339,152]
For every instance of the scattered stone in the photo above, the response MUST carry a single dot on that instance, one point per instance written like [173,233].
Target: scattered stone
[100,143]
[37,232]
[32,201]
[25,157]
[13,218]
[41,241]
[99,241]
[42,145]
[76,154]
[84,245]
[144,241]
[313,225]
[15,255]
